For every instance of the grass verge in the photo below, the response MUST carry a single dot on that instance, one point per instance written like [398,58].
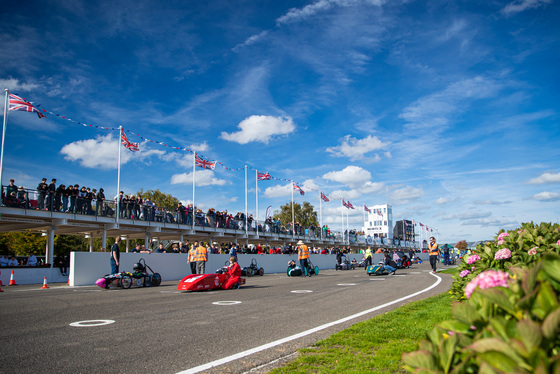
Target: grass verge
[375,345]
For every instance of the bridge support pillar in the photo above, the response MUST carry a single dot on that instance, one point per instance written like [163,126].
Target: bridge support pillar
[49,253]
[91,243]
[104,239]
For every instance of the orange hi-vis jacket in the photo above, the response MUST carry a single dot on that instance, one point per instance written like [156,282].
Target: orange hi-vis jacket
[303,252]
[192,255]
[434,251]
[201,254]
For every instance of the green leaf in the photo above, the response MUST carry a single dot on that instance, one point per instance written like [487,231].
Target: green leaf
[546,298]
[551,324]
[530,334]
[420,359]
[551,265]
[447,353]
[500,361]
[465,313]
[496,296]
[456,326]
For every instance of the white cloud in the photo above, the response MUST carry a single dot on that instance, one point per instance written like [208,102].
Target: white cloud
[442,200]
[260,129]
[299,14]
[468,215]
[14,84]
[356,149]
[278,190]
[203,178]
[546,178]
[493,222]
[98,153]
[406,194]
[546,196]
[522,5]
[433,111]
[102,153]
[351,176]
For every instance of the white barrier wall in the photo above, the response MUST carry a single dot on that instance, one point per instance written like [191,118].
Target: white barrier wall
[87,267]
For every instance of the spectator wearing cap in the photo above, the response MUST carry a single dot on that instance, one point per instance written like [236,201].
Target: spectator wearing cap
[22,197]
[11,188]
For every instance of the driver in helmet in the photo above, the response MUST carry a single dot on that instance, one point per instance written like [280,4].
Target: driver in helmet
[233,274]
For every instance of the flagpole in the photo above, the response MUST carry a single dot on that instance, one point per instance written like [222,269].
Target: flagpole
[293,219]
[118,175]
[4,137]
[321,212]
[246,219]
[342,219]
[193,189]
[257,199]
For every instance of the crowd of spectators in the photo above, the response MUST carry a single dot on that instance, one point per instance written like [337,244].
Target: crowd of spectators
[85,200]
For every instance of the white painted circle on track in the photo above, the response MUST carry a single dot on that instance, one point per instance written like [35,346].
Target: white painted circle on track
[301,291]
[346,284]
[92,323]
[226,302]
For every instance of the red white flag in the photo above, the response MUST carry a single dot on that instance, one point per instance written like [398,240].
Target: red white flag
[263,176]
[324,197]
[298,188]
[367,209]
[202,163]
[20,104]
[128,145]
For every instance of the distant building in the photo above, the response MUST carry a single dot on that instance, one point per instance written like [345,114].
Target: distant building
[379,222]
[404,230]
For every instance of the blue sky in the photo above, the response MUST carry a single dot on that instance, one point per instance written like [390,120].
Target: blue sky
[447,110]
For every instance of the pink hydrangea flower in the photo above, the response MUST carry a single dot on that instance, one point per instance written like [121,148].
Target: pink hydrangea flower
[533,251]
[502,235]
[464,273]
[487,279]
[472,259]
[473,268]
[558,242]
[502,254]
[520,231]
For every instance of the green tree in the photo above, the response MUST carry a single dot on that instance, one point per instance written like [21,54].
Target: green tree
[304,214]
[64,244]
[23,243]
[160,199]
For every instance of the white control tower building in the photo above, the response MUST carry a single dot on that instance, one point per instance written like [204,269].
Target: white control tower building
[379,223]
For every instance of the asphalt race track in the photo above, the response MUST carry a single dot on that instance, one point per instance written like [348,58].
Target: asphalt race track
[161,330]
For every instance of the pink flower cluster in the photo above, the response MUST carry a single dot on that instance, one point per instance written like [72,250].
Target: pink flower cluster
[487,279]
[558,242]
[501,238]
[502,254]
[533,251]
[472,259]
[464,273]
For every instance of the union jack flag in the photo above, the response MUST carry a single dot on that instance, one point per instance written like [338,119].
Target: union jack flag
[263,176]
[128,145]
[18,103]
[349,205]
[367,209]
[324,197]
[298,188]
[379,212]
[205,164]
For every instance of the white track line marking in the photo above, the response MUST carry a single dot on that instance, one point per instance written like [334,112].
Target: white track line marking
[225,360]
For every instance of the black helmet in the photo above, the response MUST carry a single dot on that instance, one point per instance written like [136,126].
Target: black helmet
[138,267]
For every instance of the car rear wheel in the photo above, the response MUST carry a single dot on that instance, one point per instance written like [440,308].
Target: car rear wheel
[156,279]
[261,272]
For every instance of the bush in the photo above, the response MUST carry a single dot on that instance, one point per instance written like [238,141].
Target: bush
[509,318]
[522,247]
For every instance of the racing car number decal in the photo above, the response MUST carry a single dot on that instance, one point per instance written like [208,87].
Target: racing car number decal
[216,281]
